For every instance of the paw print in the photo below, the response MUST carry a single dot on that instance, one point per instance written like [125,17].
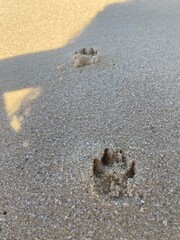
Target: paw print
[112,173]
[86,56]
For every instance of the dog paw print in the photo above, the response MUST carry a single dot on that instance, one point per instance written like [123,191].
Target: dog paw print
[86,56]
[113,175]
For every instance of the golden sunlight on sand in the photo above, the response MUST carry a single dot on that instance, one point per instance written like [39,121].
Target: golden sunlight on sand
[17,105]
[35,25]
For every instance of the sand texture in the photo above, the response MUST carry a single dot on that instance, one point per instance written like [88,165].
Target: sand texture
[56,121]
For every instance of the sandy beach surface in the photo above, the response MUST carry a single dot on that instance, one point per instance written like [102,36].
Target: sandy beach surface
[32,25]
[55,119]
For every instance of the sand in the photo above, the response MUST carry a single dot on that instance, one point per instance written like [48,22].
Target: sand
[129,100]
[32,26]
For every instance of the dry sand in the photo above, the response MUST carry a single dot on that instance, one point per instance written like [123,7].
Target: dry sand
[31,25]
[129,100]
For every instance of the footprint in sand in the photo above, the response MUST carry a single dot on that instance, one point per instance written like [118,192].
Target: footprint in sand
[86,56]
[113,175]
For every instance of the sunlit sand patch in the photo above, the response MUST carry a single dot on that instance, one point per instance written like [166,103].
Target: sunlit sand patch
[17,105]
[15,123]
[35,25]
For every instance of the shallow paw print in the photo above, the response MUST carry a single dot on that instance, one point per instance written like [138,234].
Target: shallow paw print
[86,56]
[112,174]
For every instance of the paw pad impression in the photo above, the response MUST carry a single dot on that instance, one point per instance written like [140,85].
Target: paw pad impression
[85,56]
[113,175]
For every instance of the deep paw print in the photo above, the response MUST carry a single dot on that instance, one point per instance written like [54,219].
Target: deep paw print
[85,56]
[113,175]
